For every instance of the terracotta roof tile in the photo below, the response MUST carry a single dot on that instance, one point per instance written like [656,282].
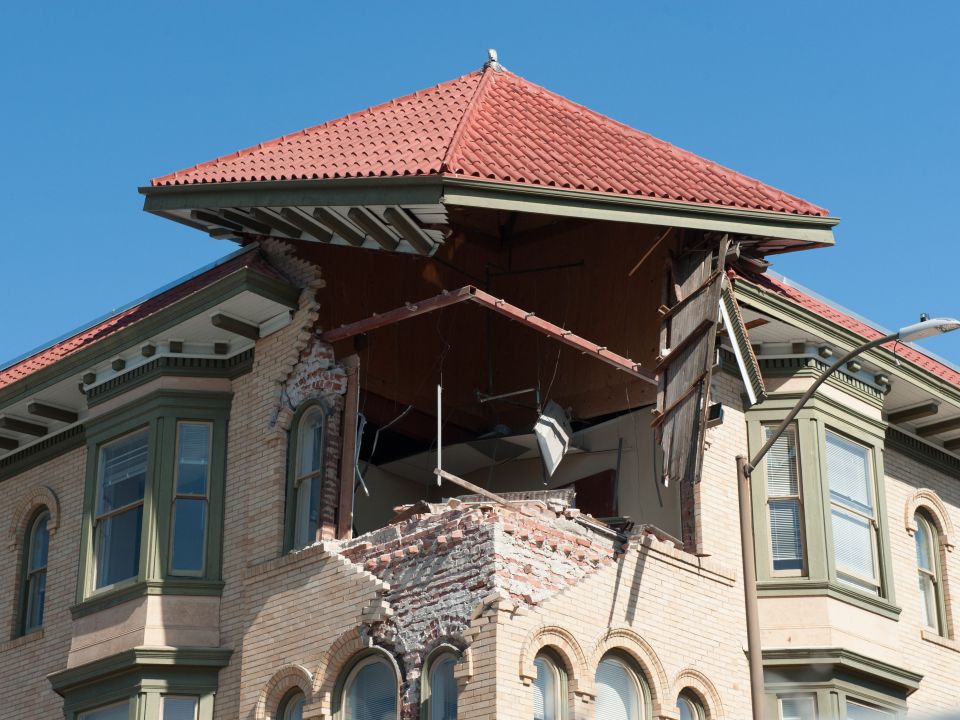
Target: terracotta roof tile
[833,314]
[125,318]
[494,125]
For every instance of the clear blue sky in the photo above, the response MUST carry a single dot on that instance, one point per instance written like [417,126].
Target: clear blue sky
[853,106]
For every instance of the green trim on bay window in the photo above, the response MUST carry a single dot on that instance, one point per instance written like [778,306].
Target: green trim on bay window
[142,676]
[823,415]
[159,414]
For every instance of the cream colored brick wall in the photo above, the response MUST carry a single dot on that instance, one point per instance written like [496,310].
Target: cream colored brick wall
[26,662]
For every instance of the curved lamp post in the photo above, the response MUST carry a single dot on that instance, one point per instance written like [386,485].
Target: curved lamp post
[916,331]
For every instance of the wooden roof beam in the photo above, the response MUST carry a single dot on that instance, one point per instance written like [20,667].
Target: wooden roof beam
[22,426]
[237,327]
[371,225]
[246,221]
[307,224]
[340,226]
[409,230]
[939,428]
[51,412]
[8,443]
[270,218]
[918,412]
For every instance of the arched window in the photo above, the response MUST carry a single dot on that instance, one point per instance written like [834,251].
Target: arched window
[549,695]
[928,571]
[439,692]
[620,695]
[370,691]
[291,707]
[307,475]
[35,572]
[690,706]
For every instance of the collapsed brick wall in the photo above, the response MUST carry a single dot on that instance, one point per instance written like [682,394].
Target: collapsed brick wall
[443,565]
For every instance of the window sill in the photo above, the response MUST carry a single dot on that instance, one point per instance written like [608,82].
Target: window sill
[172,586]
[932,637]
[32,636]
[787,587]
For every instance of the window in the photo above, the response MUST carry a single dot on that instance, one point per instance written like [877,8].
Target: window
[179,708]
[35,572]
[441,688]
[117,711]
[853,512]
[370,692]
[798,707]
[619,695]
[928,571]
[690,706]
[118,515]
[291,707]
[548,701]
[858,711]
[191,489]
[784,505]
[308,476]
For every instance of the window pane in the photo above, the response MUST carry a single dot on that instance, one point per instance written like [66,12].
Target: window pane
[688,710]
[856,711]
[179,708]
[785,535]
[922,538]
[928,602]
[193,463]
[36,594]
[848,470]
[39,542]
[372,694]
[310,442]
[853,544]
[782,476]
[120,711]
[118,546]
[545,691]
[189,519]
[443,689]
[800,707]
[618,697]
[294,708]
[123,472]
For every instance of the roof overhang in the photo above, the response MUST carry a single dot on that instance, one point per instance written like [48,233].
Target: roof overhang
[363,212]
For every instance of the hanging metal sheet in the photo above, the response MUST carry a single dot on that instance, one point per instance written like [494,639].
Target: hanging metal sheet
[740,342]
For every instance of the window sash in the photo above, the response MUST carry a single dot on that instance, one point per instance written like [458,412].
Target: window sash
[370,692]
[859,711]
[308,476]
[190,507]
[36,596]
[179,708]
[784,503]
[546,690]
[798,707]
[618,692]
[443,688]
[116,711]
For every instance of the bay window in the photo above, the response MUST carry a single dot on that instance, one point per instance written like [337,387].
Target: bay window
[784,503]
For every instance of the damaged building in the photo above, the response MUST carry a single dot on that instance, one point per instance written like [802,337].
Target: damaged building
[452,434]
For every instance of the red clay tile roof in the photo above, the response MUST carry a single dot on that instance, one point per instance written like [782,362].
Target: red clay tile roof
[830,313]
[494,125]
[125,318]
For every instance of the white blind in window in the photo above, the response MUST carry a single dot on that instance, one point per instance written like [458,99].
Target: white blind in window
[123,468]
[800,707]
[853,543]
[785,534]
[372,693]
[782,479]
[443,689]
[617,693]
[848,471]
[544,691]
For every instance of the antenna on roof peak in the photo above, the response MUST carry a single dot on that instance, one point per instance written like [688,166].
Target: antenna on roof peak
[492,61]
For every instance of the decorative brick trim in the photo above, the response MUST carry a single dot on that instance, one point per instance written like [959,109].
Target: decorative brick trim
[706,692]
[641,652]
[284,680]
[928,500]
[665,551]
[38,497]
[565,645]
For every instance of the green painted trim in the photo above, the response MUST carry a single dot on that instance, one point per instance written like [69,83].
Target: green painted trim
[787,311]
[469,192]
[843,658]
[169,586]
[171,365]
[204,299]
[403,190]
[159,411]
[923,452]
[44,451]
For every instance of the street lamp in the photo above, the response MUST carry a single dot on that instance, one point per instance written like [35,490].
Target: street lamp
[916,331]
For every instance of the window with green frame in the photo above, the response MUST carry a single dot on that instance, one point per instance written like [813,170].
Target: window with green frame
[154,498]
[819,506]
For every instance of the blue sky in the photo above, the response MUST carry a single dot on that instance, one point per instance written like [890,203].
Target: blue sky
[851,106]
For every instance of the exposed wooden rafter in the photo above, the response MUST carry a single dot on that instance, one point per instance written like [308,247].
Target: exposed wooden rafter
[939,428]
[7,443]
[373,227]
[51,412]
[340,226]
[235,326]
[22,426]
[917,412]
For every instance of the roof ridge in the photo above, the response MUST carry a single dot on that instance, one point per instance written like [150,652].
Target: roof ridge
[466,117]
[305,131]
[670,147]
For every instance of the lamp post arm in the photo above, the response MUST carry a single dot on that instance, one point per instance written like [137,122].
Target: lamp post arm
[778,431]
